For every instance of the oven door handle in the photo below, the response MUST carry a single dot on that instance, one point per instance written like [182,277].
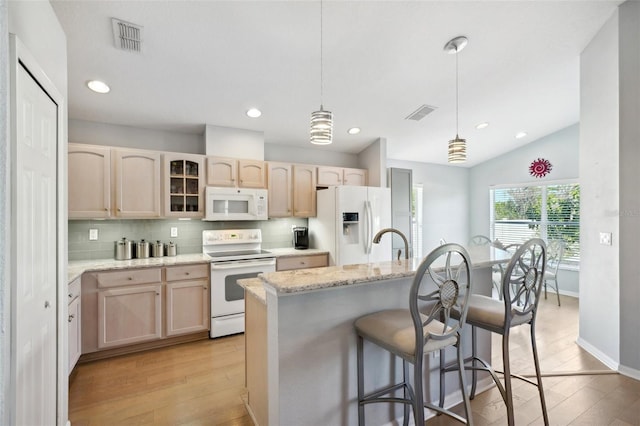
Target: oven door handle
[242,264]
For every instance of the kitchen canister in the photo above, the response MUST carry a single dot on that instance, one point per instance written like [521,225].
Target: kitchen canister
[157,249]
[171,249]
[124,249]
[142,249]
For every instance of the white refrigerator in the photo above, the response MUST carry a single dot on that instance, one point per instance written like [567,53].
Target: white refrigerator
[348,217]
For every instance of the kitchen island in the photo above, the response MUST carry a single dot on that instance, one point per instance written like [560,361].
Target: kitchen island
[301,346]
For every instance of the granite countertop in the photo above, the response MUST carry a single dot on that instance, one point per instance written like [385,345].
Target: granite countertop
[254,286]
[290,252]
[303,280]
[77,267]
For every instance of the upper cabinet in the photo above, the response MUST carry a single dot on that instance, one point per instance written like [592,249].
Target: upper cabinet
[183,178]
[137,183]
[304,190]
[107,182]
[333,176]
[89,181]
[280,204]
[234,172]
[292,190]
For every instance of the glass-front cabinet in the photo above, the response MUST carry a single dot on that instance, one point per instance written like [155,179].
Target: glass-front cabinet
[184,185]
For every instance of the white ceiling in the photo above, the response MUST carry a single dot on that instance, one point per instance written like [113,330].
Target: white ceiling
[207,62]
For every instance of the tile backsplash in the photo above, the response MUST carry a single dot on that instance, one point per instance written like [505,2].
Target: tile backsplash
[275,233]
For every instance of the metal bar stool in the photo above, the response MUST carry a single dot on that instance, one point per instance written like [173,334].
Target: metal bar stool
[441,284]
[522,283]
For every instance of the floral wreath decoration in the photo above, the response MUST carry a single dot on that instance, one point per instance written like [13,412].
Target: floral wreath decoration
[540,168]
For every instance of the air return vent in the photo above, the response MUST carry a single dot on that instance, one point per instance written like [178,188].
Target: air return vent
[127,36]
[420,113]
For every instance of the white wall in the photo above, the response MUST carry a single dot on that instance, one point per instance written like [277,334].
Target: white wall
[235,143]
[629,74]
[295,154]
[599,206]
[94,133]
[560,148]
[37,27]
[446,201]
[374,159]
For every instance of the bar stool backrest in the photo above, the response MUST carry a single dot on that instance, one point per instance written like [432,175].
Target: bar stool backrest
[523,279]
[442,283]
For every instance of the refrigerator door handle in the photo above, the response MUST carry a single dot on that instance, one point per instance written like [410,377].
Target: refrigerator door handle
[365,243]
[369,227]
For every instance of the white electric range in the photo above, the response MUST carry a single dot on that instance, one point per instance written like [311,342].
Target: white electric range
[235,254]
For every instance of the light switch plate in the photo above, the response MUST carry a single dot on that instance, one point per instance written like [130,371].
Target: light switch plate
[174,231]
[605,238]
[93,234]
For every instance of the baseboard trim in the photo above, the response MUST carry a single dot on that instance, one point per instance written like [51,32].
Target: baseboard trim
[629,372]
[598,354]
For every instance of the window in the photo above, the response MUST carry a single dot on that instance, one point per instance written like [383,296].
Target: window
[550,212]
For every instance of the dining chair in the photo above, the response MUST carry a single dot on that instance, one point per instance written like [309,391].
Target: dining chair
[442,284]
[522,283]
[479,240]
[555,252]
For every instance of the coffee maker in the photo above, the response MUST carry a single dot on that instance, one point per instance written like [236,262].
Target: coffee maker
[300,238]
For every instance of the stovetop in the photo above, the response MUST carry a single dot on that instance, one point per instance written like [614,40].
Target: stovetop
[233,244]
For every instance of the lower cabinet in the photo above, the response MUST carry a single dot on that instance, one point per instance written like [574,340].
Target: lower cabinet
[187,302]
[137,307]
[74,321]
[286,263]
[129,315]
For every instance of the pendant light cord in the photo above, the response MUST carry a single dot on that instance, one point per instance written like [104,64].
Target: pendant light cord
[321,63]
[457,92]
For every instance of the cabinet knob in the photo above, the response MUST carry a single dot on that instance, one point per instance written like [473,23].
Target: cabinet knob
[157,294]
[186,273]
[130,278]
[302,262]
[70,295]
[106,209]
[47,304]
[205,287]
[70,318]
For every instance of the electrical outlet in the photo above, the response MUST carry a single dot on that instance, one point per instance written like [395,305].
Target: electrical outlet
[93,234]
[174,231]
[605,238]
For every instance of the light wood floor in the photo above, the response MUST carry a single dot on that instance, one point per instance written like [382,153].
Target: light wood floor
[202,383]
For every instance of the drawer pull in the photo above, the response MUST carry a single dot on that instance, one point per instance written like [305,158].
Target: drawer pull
[71,317]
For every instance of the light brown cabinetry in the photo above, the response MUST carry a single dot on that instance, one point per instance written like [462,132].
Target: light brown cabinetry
[333,176]
[74,320]
[89,169]
[129,307]
[287,263]
[304,190]
[137,183]
[187,299]
[236,172]
[183,178]
[279,189]
[133,309]
[292,190]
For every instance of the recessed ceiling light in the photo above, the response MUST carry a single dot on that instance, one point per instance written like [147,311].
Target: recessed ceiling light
[521,135]
[98,86]
[482,125]
[254,113]
[354,130]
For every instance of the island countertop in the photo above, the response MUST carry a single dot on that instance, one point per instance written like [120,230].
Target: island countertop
[303,280]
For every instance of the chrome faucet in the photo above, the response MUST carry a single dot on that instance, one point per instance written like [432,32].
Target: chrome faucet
[376,240]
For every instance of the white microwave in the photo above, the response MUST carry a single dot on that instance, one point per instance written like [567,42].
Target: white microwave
[235,204]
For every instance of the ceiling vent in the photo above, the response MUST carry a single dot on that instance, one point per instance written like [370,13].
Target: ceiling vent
[420,113]
[127,36]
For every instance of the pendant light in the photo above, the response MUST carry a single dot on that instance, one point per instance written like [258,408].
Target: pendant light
[321,120]
[457,146]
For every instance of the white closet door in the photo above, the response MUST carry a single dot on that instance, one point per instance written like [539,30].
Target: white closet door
[34,220]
